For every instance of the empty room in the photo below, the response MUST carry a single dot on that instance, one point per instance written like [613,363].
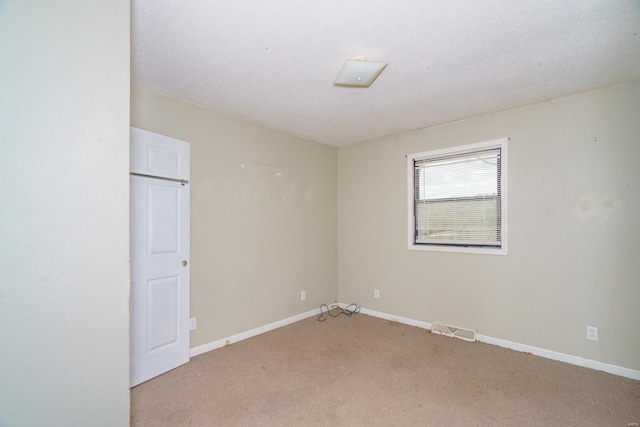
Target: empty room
[320,213]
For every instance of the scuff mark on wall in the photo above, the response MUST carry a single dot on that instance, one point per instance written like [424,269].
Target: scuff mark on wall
[259,163]
[596,206]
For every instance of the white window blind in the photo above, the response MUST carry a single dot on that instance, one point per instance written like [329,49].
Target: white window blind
[457,199]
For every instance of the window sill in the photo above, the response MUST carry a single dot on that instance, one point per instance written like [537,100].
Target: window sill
[459,249]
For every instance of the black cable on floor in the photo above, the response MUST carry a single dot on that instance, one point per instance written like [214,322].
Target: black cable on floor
[349,310]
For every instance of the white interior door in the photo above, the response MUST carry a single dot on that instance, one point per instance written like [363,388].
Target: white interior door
[159,306]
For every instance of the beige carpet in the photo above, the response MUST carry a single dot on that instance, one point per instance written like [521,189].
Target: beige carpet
[361,370]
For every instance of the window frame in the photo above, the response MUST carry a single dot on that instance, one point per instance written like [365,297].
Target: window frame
[501,144]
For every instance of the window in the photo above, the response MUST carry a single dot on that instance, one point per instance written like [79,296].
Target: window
[458,199]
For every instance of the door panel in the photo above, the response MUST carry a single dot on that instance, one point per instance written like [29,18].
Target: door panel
[159,248]
[164,219]
[163,322]
[153,154]
[163,161]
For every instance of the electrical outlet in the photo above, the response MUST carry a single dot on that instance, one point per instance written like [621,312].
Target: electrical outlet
[592,333]
[303,295]
[376,293]
[192,324]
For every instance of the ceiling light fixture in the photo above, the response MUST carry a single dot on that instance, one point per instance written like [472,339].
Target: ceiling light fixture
[357,71]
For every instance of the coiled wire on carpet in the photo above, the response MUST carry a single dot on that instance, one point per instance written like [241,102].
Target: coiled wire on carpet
[349,310]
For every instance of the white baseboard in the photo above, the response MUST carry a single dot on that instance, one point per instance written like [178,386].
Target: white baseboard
[567,358]
[549,354]
[403,320]
[251,333]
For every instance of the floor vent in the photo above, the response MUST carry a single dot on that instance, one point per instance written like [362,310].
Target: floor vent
[452,331]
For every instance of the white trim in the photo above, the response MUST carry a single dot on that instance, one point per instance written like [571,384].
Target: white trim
[524,348]
[391,317]
[458,249]
[501,143]
[251,333]
[561,357]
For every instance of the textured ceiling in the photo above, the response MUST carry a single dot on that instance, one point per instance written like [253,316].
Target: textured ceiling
[274,62]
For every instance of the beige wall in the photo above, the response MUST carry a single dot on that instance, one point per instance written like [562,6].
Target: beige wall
[263,217]
[574,241]
[574,233]
[64,212]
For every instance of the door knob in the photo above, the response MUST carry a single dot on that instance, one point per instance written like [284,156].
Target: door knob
[184,263]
